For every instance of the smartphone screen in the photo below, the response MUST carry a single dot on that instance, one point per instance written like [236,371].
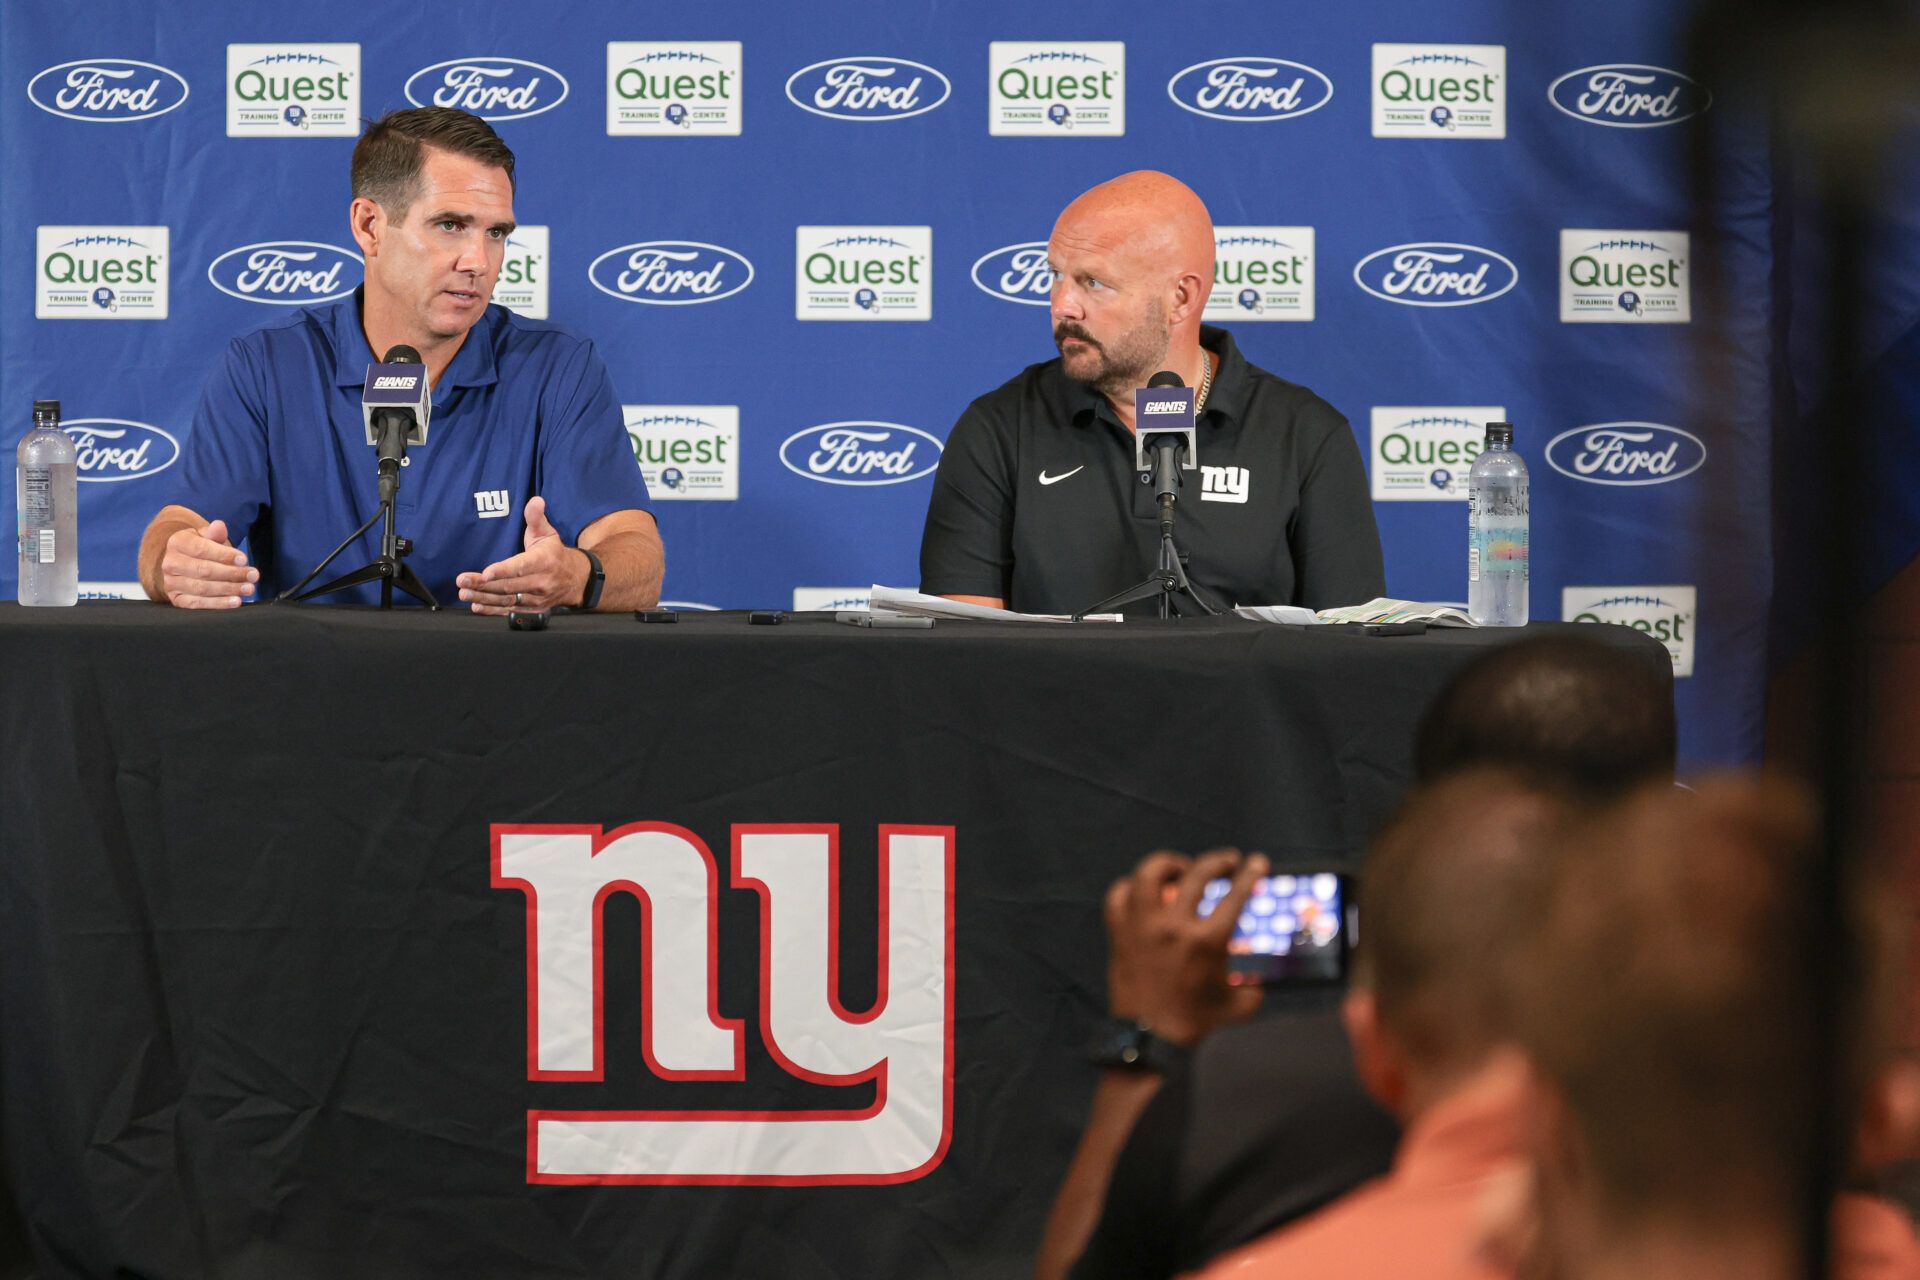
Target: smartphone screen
[1294,928]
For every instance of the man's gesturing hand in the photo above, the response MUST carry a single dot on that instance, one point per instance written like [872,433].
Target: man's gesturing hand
[548,573]
[201,570]
[1166,964]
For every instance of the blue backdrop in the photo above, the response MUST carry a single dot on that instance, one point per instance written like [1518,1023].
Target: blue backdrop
[773,218]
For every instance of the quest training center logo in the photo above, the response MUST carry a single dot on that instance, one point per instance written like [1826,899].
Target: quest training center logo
[110,450]
[868,88]
[1016,273]
[1261,273]
[1628,95]
[670,273]
[1435,274]
[107,90]
[1250,89]
[522,286]
[1040,90]
[863,273]
[1424,454]
[293,91]
[895,1127]
[674,90]
[1447,91]
[1665,613]
[286,273]
[686,452]
[861,453]
[1626,453]
[491,88]
[1624,277]
[101,273]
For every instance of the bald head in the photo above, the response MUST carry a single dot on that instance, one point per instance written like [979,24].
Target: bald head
[1133,265]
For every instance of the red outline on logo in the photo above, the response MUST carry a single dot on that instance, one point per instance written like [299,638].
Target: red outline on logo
[601,839]
[878,1074]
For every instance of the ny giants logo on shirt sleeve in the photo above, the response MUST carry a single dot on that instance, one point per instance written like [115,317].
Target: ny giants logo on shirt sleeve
[567,873]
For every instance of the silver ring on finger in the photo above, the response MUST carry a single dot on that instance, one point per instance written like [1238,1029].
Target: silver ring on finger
[516,599]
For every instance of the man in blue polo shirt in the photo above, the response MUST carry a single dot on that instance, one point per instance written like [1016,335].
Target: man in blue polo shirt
[525,422]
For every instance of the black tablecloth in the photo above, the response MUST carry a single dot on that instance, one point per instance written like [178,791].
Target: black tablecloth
[265,1010]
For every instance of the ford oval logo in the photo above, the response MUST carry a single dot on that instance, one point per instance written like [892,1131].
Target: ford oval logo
[491,88]
[1628,95]
[1435,274]
[868,88]
[107,90]
[286,273]
[1017,273]
[862,453]
[1246,89]
[110,449]
[1626,453]
[670,273]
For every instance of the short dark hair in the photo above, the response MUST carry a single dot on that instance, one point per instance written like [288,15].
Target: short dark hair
[390,154]
[1590,715]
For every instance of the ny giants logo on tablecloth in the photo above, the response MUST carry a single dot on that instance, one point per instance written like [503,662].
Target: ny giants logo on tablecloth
[107,90]
[868,88]
[860,453]
[1628,95]
[286,273]
[670,273]
[1626,453]
[491,88]
[902,1047]
[1435,274]
[1250,89]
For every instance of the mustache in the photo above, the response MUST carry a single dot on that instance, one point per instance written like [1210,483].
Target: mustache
[1067,329]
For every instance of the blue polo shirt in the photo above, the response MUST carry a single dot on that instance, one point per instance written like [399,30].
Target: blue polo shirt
[279,449]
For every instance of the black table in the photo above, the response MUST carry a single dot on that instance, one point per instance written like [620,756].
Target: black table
[267,948]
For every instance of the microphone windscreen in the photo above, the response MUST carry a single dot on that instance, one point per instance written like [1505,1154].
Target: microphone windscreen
[1166,378]
[401,353]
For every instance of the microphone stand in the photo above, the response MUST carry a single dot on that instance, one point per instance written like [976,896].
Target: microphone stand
[390,567]
[1169,577]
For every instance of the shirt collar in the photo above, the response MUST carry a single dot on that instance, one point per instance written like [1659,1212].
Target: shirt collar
[1227,396]
[473,365]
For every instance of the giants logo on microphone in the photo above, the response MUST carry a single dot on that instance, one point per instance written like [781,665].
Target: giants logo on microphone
[1250,89]
[674,90]
[286,273]
[1435,274]
[293,90]
[107,90]
[1057,90]
[861,453]
[101,273]
[1443,91]
[686,451]
[1628,95]
[1017,273]
[1668,614]
[868,88]
[898,1052]
[1624,277]
[863,273]
[491,88]
[522,286]
[670,273]
[1262,273]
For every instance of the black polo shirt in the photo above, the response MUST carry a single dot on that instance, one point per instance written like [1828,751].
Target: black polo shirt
[1037,501]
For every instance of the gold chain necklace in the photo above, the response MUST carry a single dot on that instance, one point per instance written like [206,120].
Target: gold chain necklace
[1206,382]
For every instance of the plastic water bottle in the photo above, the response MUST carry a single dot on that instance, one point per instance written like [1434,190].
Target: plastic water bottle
[44,497]
[1497,513]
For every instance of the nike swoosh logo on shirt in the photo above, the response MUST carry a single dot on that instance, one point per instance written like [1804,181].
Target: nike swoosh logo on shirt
[1047,479]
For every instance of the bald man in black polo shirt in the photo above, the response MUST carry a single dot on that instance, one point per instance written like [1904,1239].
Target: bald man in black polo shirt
[1037,506]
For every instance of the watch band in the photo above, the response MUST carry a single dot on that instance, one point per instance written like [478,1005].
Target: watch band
[1127,1044]
[596,579]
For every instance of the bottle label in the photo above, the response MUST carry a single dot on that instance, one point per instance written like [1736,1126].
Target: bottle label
[1498,545]
[33,501]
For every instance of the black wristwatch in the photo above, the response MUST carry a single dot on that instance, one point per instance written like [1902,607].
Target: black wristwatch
[1128,1044]
[596,579]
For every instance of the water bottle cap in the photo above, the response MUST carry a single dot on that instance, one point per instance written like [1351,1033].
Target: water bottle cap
[1499,433]
[42,408]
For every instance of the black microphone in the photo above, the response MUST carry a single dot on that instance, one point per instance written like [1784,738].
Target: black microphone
[395,405]
[1165,378]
